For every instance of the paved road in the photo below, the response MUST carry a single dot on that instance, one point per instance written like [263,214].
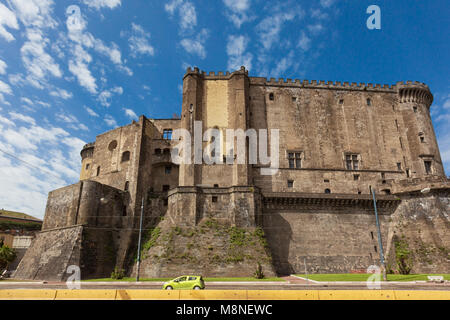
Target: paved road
[288,285]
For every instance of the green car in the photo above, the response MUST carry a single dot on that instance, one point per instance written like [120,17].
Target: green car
[185,282]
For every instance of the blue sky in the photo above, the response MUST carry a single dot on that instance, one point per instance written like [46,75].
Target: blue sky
[70,70]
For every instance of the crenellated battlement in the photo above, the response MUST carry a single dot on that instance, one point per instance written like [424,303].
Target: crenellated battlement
[212,75]
[419,89]
[317,84]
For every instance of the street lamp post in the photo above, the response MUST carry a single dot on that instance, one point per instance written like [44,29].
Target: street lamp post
[139,242]
[380,242]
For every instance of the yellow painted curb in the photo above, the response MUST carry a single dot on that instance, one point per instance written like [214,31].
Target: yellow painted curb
[356,295]
[38,294]
[422,295]
[85,294]
[27,294]
[213,295]
[282,294]
[148,295]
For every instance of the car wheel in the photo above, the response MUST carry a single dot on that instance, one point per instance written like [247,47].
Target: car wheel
[169,288]
[196,288]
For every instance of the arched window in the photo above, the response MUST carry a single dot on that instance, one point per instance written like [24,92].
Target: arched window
[327,191]
[126,156]
[112,145]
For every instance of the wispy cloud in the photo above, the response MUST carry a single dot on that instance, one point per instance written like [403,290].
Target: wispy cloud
[139,41]
[3,67]
[91,112]
[7,18]
[197,45]
[130,113]
[187,14]
[110,121]
[238,11]
[237,56]
[98,4]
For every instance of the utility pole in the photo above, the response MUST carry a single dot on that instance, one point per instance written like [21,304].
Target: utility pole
[380,242]
[139,242]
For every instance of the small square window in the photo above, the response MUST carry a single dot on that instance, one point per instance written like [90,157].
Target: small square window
[326,181]
[168,170]
[214,199]
[87,166]
[415,109]
[294,99]
[422,139]
[427,167]
[341,101]
[165,188]
[167,134]
[290,183]
[356,177]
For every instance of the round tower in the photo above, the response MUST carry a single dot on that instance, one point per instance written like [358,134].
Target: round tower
[87,156]
[415,100]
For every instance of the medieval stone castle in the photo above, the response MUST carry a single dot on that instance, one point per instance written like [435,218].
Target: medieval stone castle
[337,141]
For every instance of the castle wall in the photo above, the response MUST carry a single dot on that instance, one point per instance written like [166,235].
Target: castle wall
[422,221]
[328,239]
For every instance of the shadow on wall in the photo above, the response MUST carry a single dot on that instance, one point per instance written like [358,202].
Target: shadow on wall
[279,236]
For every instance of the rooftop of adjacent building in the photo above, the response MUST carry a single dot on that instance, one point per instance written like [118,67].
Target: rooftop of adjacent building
[6,214]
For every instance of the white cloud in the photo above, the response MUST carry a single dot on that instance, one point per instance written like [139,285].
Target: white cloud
[39,160]
[284,64]
[304,42]
[71,120]
[130,113]
[35,13]
[237,57]
[7,18]
[3,67]
[315,28]
[105,96]
[38,63]
[61,93]
[237,11]
[91,112]
[79,68]
[21,117]
[326,3]
[269,28]
[110,121]
[98,4]
[5,88]
[186,12]
[139,41]
[196,46]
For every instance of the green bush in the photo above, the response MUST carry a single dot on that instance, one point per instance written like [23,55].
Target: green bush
[117,274]
[259,274]
[403,256]
[7,255]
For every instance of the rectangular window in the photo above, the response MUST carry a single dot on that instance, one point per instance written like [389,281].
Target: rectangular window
[399,166]
[427,167]
[167,134]
[214,199]
[352,161]
[168,169]
[356,177]
[290,183]
[295,160]
[165,188]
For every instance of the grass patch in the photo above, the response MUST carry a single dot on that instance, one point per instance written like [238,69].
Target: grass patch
[364,277]
[167,279]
